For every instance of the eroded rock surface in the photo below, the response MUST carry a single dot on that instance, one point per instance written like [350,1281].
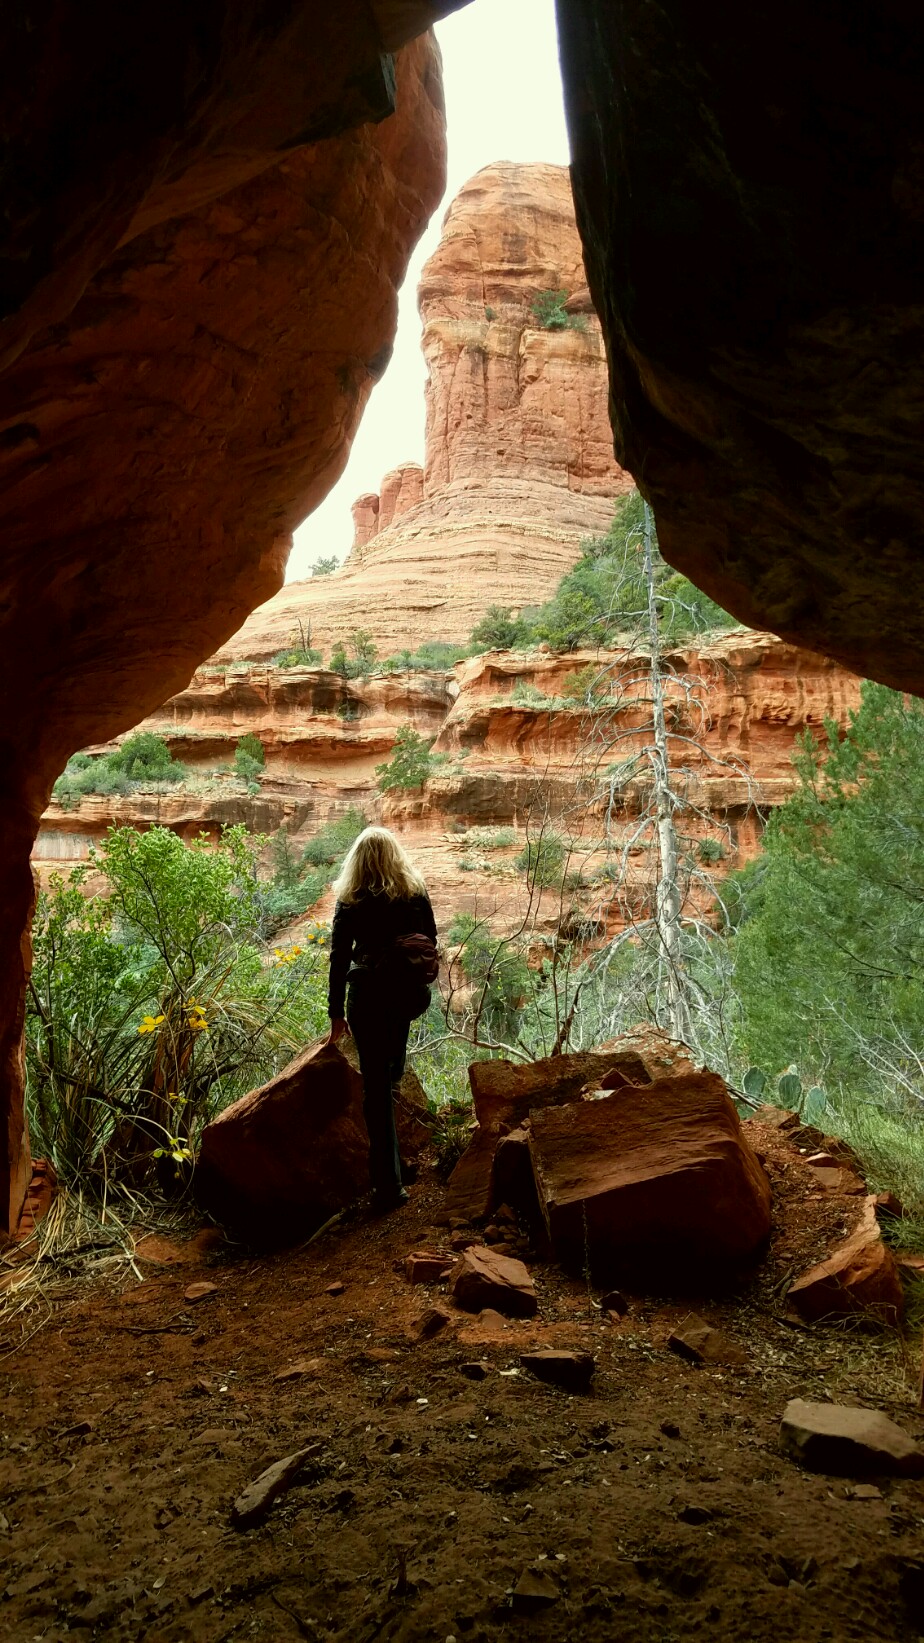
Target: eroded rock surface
[279,1162]
[196,308]
[657,1181]
[519,462]
[748,189]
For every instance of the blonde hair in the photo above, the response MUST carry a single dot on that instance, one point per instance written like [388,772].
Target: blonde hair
[377,865]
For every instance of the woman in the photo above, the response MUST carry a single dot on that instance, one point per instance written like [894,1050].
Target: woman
[380,899]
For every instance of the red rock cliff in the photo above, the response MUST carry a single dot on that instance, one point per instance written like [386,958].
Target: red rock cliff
[519,464]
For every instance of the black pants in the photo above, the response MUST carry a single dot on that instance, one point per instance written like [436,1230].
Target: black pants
[381,1043]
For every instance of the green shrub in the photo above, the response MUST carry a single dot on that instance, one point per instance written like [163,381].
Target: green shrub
[411,762]
[325,567]
[527,695]
[249,758]
[331,843]
[543,860]
[298,656]
[548,308]
[604,598]
[151,1009]
[141,760]
[499,629]
[710,851]
[494,967]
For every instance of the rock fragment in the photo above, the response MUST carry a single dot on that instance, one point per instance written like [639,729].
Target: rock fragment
[256,1500]
[426,1266]
[432,1323]
[533,1591]
[700,1343]
[198,1292]
[846,1441]
[483,1279]
[573,1371]
[860,1276]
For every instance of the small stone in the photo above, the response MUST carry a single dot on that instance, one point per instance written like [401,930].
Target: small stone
[255,1502]
[865,1491]
[336,1288]
[295,1371]
[839,1439]
[431,1323]
[573,1371]
[473,1371]
[492,1234]
[425,1266]
[506,1217]
[533,1591]
[614,1301]
[482,1279]
[198,1292]
[462,1240]
[887,1204]
[670,1429]
[700,1343]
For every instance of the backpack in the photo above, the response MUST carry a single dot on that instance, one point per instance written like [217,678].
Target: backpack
[405,971]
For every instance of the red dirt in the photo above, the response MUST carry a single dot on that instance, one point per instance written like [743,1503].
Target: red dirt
[132,1420]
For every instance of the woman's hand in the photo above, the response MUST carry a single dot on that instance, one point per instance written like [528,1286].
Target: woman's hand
[338,1030]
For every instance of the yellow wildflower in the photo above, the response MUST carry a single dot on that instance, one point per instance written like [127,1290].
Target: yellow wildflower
[150,1023]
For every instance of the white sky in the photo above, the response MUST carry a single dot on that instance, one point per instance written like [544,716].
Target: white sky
[503,102]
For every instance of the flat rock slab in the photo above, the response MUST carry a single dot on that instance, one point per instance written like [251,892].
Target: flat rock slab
[657,1183]
[836,1438]
[483,1279]
[700,1343]
[426,1266]
[573,1371]
[200,1291]
[860,1276]
[256,1500]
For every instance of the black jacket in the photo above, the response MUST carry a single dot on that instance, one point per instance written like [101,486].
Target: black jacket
[364,929]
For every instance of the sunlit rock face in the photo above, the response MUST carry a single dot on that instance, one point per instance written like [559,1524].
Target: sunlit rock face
[509,744]
[519,461]
[750,194]
[208,217]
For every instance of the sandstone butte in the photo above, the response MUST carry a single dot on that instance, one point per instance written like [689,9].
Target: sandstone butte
[518,464]
[505,759]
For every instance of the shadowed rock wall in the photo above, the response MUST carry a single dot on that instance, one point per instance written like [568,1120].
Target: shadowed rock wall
[208,213]
[749,186]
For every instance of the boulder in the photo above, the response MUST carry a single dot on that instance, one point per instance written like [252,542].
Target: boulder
[658,1182]
[483,1280]
[278,1163]
[836,1438]
[506,1092]
[860,1276]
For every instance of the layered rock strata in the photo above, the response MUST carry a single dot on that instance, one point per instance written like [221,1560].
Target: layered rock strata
[195,307]
[519,465]
[512,746]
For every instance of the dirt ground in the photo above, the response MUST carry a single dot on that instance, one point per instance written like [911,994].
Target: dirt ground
[659,1507]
